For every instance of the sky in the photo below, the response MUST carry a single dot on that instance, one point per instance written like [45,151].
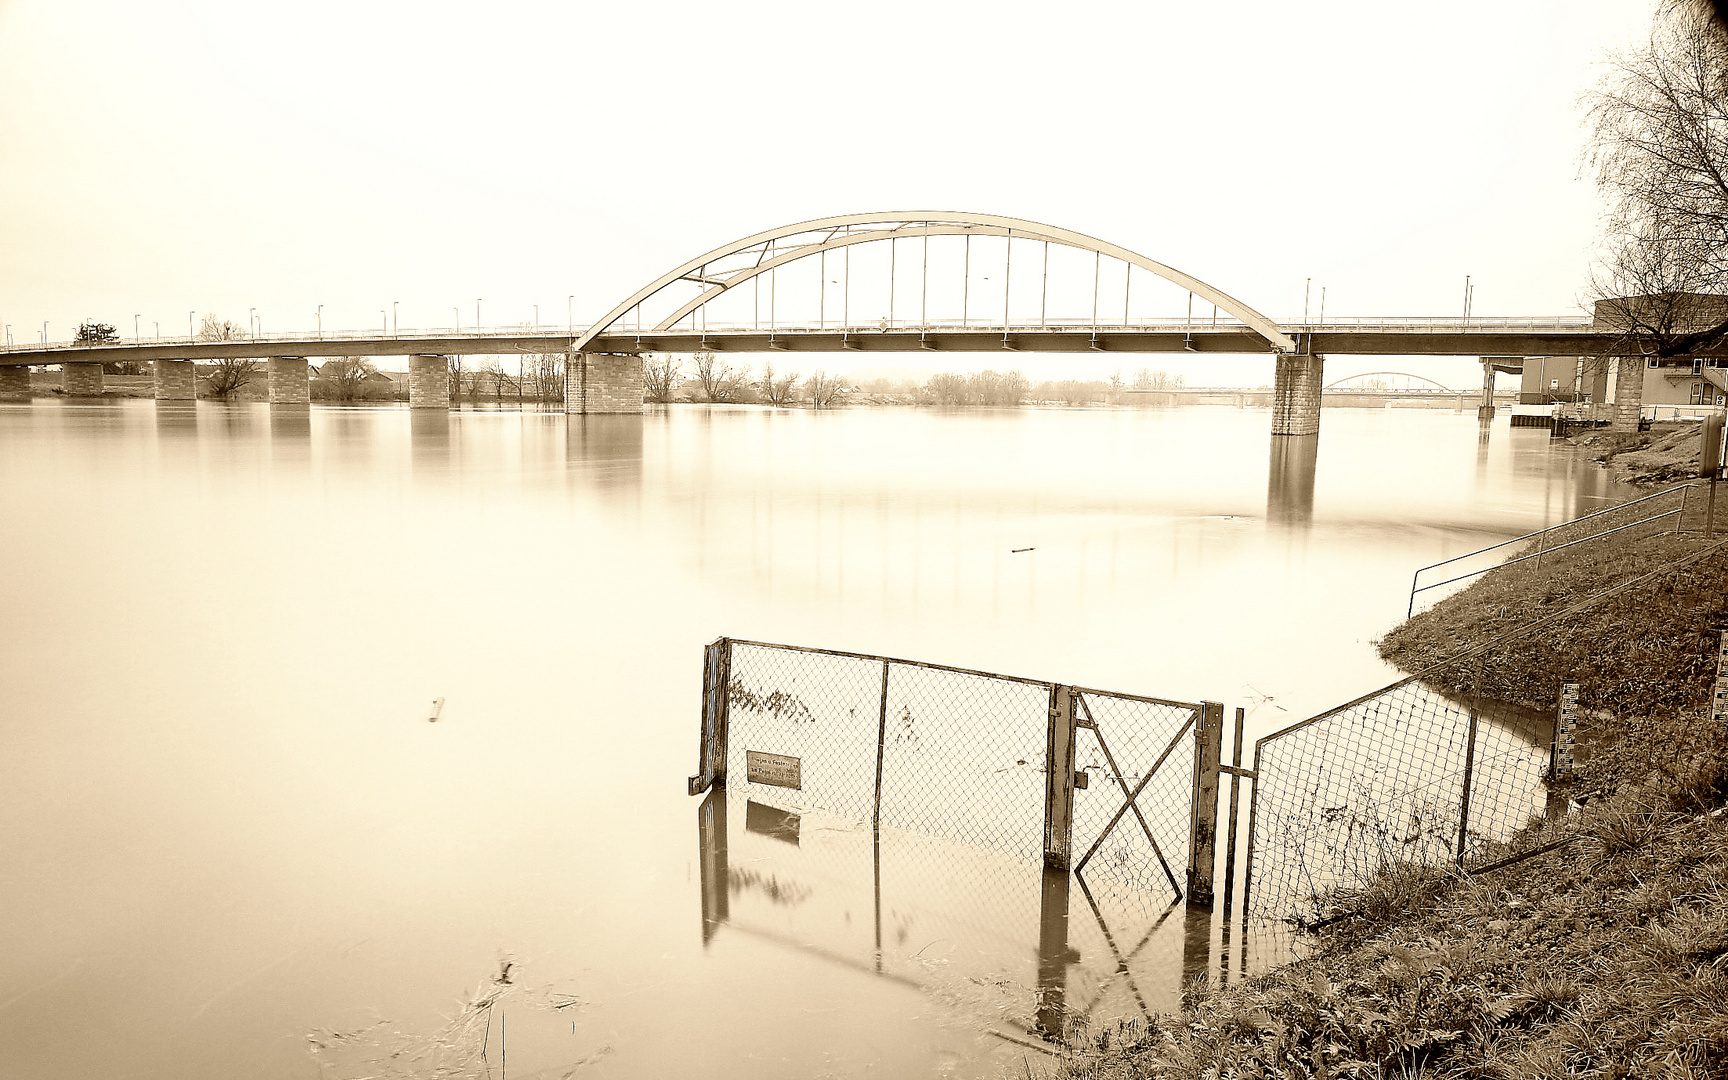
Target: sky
[357,162]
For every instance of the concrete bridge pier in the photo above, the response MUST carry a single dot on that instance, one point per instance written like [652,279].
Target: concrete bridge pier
[1628,393]
[14,384]
[1485,411]
[428,382]
[1296,394]
[598,383]
[81,379]
[290,384]
[176,380]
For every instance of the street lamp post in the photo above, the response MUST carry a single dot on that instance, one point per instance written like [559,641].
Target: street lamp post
[320,322]
[477,313]
[569,313]
[251,320]
[384,317]
[190,336]
[536,318]
[396,316]
[135,319]
[44,331]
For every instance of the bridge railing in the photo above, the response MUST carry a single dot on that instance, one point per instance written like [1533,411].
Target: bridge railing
[982,324]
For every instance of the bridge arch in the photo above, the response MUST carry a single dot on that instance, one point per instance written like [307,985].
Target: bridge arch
[888,226]
[1339,384]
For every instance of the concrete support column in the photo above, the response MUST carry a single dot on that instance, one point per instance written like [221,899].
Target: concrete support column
[1296,395]
[596,383]
[14,384]
[82,379]
[176,380]
[1595,380]
[428,382]
[1628,393]
[1485,411]
[289,382]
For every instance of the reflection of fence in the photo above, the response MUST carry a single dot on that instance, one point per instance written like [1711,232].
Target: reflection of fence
[1034,770]
[1665,511]
[1438,768]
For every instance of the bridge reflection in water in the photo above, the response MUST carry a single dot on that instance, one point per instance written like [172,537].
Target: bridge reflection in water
[1034,955]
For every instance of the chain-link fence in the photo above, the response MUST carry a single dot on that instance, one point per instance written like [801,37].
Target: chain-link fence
[959,755]
[1443,767]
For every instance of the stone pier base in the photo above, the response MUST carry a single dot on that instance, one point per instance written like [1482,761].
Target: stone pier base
[83,379]
[1628,393]
[14,384]
[1485,411]
[176,380]
[1296,395]
[428,382]
[596,383]
[289,382]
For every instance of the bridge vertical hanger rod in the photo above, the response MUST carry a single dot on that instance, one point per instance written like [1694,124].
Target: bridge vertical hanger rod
[1097,267]
[1127,281]
[822,290]
[893,249]
[1007,279]
[846,286]
[756,304]
[965,279]
[1044,289]
[924,296]
[772,322]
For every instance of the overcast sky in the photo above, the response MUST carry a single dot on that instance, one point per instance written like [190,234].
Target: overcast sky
[170,157]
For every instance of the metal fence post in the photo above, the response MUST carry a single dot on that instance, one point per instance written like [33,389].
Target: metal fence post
[1203,818]
[881,743]
[1560,757]
[1059,780]
[716,701]
[1230,840]
[1469,771]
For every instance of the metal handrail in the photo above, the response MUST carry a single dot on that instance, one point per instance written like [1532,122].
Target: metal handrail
[1410,610]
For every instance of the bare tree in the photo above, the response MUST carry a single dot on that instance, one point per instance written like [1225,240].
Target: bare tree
[544,375]
[1147,379]
[660,377]
[720,380]
[777,388]
[947,388]
[823,389]
[229,373]
[1659,152]
[345,377]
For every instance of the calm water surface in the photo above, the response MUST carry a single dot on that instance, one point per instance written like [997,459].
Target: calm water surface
[233,844]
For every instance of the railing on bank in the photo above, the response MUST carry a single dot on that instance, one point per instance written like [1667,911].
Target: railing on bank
[1541,539]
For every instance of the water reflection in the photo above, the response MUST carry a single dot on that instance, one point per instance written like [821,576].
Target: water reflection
[1290,480]
[1009,939]
[606,450]
[176,418]
[290,422]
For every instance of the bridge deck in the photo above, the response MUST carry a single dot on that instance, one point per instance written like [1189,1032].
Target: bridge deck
[1384,337]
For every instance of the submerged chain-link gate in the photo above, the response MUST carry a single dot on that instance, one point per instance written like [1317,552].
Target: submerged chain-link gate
[1121,786]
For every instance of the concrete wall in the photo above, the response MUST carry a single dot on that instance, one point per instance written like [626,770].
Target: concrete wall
[81,379]
[1296,395]
[598,383]
[176,380]
[290,382]
[14,384]
[428,382]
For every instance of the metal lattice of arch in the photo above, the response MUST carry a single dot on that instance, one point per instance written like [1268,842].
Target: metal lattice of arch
[717,272]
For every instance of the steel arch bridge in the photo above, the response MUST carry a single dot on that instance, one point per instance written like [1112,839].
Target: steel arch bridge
[1343,384]
[688,289]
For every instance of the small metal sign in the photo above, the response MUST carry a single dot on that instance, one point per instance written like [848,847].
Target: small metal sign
[1566,731]
[776,769]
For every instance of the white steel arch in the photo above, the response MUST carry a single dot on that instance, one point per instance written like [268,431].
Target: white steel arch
[903,224]
[1339,384]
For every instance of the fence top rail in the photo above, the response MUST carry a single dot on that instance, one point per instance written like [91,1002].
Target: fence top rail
[1192,706]
[1561,525]
[1046,684]
[1570,610]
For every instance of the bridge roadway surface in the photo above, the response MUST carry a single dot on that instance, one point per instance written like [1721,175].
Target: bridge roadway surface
[1504,337]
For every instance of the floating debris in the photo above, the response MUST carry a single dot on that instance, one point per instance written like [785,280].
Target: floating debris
[437,707]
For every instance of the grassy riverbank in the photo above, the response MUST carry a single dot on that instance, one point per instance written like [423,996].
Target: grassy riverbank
[1607,957]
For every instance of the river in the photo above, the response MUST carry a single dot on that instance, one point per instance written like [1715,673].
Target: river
[234,844]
